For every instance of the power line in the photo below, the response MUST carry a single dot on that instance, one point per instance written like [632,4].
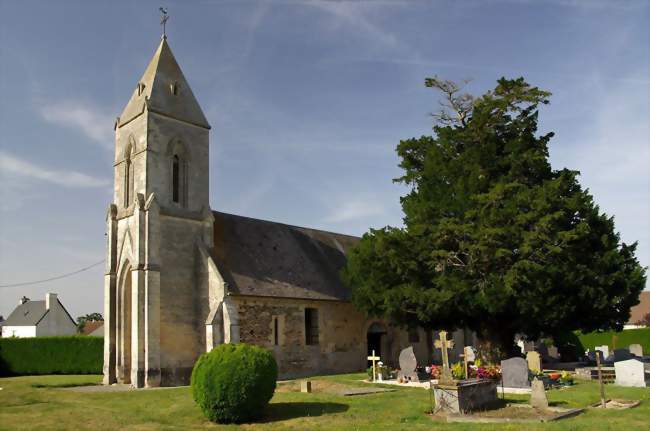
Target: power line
[58,277]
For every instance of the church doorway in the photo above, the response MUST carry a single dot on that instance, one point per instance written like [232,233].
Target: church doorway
[123,351]
[374,338]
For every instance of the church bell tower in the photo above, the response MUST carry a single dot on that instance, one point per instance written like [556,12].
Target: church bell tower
[160,211]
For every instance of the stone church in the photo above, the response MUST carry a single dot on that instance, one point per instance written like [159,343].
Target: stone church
[182,278]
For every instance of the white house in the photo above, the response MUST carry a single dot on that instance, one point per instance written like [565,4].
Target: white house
[39,318]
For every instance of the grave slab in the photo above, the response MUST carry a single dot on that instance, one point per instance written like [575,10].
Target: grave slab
[465,396]
[632,373]
[514,372]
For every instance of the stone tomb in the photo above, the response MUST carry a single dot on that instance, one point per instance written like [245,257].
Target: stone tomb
[632,373]
[514,373]
[465,396]
[636,350]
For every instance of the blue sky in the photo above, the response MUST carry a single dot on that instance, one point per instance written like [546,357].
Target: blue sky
[307,101]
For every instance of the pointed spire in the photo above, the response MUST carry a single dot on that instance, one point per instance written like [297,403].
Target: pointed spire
[163,89]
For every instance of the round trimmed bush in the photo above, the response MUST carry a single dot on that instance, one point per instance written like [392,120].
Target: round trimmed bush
[234,382]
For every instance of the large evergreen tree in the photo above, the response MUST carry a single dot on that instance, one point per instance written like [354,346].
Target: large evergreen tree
[494,239]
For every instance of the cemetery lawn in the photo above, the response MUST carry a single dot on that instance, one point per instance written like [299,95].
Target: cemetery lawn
[47,402]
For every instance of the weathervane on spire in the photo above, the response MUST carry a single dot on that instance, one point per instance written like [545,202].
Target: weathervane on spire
[163,20]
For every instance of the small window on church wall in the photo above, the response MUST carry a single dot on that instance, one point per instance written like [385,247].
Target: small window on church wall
[276,335]
[311,326]
[414,335]
[176,179]
[173,87]
[128,182]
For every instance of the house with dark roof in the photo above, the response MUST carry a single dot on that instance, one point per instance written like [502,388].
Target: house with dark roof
[39,318]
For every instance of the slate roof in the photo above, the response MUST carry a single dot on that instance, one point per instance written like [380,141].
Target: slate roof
[27,314]
[264,258]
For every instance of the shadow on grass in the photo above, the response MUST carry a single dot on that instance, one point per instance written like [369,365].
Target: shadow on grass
[62,385]
[283,411]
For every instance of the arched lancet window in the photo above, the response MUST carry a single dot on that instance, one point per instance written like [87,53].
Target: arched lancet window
[129,173]
[179,160]
[176,183]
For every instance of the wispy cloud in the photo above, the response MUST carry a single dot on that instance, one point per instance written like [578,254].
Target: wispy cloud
[355,210]
[88,119]
[354,13]
[12,165]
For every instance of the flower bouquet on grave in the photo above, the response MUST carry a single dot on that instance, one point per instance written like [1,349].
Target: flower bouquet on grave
[435,371]
[490,372]
[566,379]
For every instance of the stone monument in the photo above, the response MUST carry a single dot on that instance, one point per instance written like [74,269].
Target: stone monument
[534,362]
[443,344]
[604,349]
[407,365]
[538,398]
[636,350]
[632,373]
[514,373]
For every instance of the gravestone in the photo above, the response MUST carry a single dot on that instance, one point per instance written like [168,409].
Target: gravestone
[604,349]
[553,353]
[407,365]
[470,354]
[636,350]
[538,398]
[534,362]
[443,344]
[514,373]
[305,386]
[632,373]
[622,355]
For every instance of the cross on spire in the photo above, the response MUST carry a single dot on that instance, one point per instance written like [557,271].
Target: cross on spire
[163,20]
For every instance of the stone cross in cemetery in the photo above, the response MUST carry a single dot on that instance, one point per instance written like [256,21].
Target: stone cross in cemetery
[443,344]
[373,358]
[468,356]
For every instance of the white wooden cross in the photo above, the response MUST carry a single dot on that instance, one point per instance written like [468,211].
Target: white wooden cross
[373,358]
[443,344]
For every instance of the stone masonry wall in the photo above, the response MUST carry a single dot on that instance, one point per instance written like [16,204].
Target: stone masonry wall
[342,343]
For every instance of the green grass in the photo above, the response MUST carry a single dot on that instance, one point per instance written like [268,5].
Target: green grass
[23,406]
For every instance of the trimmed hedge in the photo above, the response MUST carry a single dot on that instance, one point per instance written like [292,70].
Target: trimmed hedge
[234,382]
[51,355]
[623,339]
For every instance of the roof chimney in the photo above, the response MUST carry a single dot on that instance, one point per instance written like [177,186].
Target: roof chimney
[23,300]
[50,298]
